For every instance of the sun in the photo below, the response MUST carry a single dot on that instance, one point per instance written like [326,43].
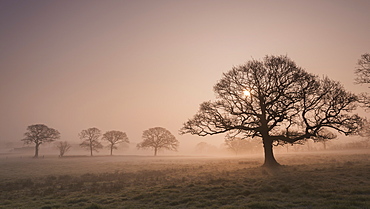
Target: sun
[246,93]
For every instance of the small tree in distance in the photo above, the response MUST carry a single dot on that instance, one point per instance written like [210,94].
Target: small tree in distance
[158,138]
[363,69]
[323,136]
[205,148]
[114,138]
[239,145]
[63,147]
[40,134]
[90,139]
[362,73]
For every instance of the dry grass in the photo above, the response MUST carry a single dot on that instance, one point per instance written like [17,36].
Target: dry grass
[324,180]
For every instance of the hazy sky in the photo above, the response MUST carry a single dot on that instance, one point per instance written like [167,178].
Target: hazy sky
[133,65]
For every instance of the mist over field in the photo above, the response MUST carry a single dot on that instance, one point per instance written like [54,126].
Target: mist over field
[308,180]
[184,104]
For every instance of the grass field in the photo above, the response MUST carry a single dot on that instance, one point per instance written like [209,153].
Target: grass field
[308,180]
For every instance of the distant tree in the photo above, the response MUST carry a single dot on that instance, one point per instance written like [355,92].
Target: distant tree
[276,101]
[365,133]
[365,129]
[63,147]
[239,145]
[364,100]
[204,147]
[40,134]
[158,138]
[324,135]
[363,69]
[90,139]
[114,138]
[363,77]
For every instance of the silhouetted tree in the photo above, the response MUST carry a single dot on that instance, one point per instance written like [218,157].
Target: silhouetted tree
[365,133]
[205,148]
[202,147]
[324,135]
[114,138]
[365,129]
[63,147]
[363,69]
[277,101]
[363,77]
[90,139]
[239,145]
[158,138]
[40,134]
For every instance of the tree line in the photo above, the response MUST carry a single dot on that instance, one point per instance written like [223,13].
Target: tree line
[154,138]
[273,100]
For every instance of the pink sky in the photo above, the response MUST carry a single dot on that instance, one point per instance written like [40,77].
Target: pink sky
[133,65]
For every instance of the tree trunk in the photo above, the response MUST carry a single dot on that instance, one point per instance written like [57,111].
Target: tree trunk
[155,151]
[111,150]
[91,150]
[270,160]
[36,151]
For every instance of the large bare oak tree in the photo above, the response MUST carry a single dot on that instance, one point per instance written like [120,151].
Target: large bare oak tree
[277,101]
[90,139]
[158,138]
[114,138]
[40,134]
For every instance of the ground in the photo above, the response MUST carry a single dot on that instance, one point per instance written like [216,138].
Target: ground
[307,180]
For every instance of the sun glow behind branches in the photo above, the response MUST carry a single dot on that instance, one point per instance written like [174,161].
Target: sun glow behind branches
[246,93]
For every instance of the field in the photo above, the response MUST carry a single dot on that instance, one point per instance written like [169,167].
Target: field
[307,180]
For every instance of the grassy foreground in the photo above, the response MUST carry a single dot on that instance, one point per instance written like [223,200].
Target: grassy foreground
[324,180]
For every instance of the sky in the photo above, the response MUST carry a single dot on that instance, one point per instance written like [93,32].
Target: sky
[133,65]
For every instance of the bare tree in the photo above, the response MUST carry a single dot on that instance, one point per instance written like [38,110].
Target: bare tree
[90,139]
[363,69]
[40,134]
[365,129]
[158,138]
[63,147]
[114,138]
[205,148]
[202,147]
[365,133]
[276,101]
[239,145]
[363,77]
[324,135]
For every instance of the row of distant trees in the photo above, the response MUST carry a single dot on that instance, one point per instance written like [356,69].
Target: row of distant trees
[91,139]
[273,100]
[154,138]
[240,146]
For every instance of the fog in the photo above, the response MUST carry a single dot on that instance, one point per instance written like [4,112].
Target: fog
[133,65]
[199,148]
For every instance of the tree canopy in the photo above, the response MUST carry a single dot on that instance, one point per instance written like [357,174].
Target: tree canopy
[277,101]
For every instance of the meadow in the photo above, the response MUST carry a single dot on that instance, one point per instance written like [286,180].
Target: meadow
[307,180]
